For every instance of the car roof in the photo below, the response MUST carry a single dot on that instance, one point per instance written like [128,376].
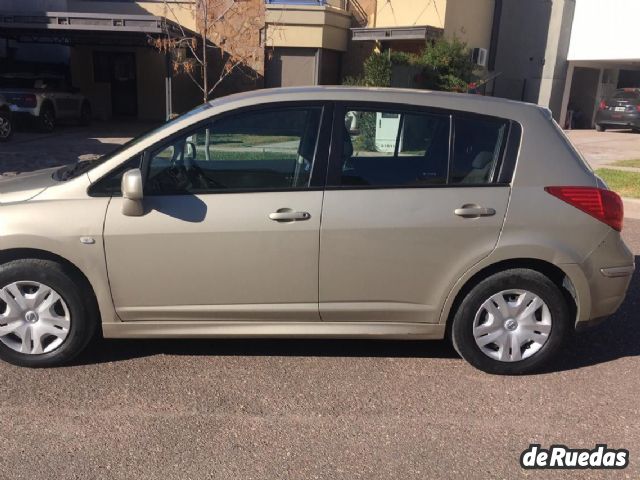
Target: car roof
[459,101]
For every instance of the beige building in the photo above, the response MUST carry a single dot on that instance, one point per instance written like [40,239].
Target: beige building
[106,47]
[408,25]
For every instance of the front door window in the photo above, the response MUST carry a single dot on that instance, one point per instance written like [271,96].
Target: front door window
[251,151]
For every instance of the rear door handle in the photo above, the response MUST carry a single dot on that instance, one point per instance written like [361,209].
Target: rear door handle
[471,210]
[288,215]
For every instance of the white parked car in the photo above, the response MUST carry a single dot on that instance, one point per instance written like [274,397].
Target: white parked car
[44,99]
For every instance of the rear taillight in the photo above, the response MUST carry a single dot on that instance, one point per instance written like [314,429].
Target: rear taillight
[603,105]
[638,107]
[604,205]
[29,101]
[26,100]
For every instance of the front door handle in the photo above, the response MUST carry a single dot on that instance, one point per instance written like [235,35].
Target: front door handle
[288,215]
[471,210]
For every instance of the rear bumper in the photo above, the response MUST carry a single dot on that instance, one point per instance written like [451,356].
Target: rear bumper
[23,112]
[618,119]
[608,271]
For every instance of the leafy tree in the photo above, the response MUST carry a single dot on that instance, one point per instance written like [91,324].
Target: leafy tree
[447,66]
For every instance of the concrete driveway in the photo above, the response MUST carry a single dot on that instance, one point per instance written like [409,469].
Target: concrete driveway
[330,410]
[28,150]
[601,148]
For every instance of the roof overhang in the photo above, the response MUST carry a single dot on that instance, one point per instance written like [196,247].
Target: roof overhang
[382,34]
[83,28]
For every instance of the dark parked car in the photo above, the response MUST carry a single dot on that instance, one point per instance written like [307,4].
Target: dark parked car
[620,110]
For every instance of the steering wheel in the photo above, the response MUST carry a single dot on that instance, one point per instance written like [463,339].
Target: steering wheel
[199,178]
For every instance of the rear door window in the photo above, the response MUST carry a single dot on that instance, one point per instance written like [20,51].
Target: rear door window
[394,148]
[413,148]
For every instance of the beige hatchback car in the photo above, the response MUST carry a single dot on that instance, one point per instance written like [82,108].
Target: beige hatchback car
[318,212]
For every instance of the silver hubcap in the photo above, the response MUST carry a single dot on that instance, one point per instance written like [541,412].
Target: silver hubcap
[5,127]
[34,318]
[512,325]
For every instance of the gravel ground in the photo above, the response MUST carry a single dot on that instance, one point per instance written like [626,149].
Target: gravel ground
[318,409]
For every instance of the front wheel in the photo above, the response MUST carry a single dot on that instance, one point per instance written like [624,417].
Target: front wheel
[44,321]
[511,323]
[600,128]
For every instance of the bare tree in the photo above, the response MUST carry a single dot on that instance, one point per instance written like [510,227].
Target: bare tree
[227,41]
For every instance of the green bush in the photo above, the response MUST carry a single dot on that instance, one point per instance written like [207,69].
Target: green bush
[402,58]
[377,70]
[445,65]
[353,81]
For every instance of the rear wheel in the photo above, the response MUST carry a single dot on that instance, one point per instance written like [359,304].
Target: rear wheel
[44,321]
[511,323]
[600,128]
[6,126]
[46,119]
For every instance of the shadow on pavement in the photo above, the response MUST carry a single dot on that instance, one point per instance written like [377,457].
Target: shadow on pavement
[103,351]
[617,337]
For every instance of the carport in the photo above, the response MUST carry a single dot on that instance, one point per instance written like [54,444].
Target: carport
[604,54]
[112,57]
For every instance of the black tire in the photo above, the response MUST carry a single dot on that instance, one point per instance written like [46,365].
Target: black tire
[47,118]
[6,125]
[85,114]
[518,279]
[601,128]
[84,318]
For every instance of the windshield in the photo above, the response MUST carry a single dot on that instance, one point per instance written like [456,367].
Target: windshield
[76,169]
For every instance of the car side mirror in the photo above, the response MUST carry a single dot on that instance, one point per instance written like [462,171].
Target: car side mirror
[132,193]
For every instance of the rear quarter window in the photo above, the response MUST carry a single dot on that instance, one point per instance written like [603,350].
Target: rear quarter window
[477,149]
